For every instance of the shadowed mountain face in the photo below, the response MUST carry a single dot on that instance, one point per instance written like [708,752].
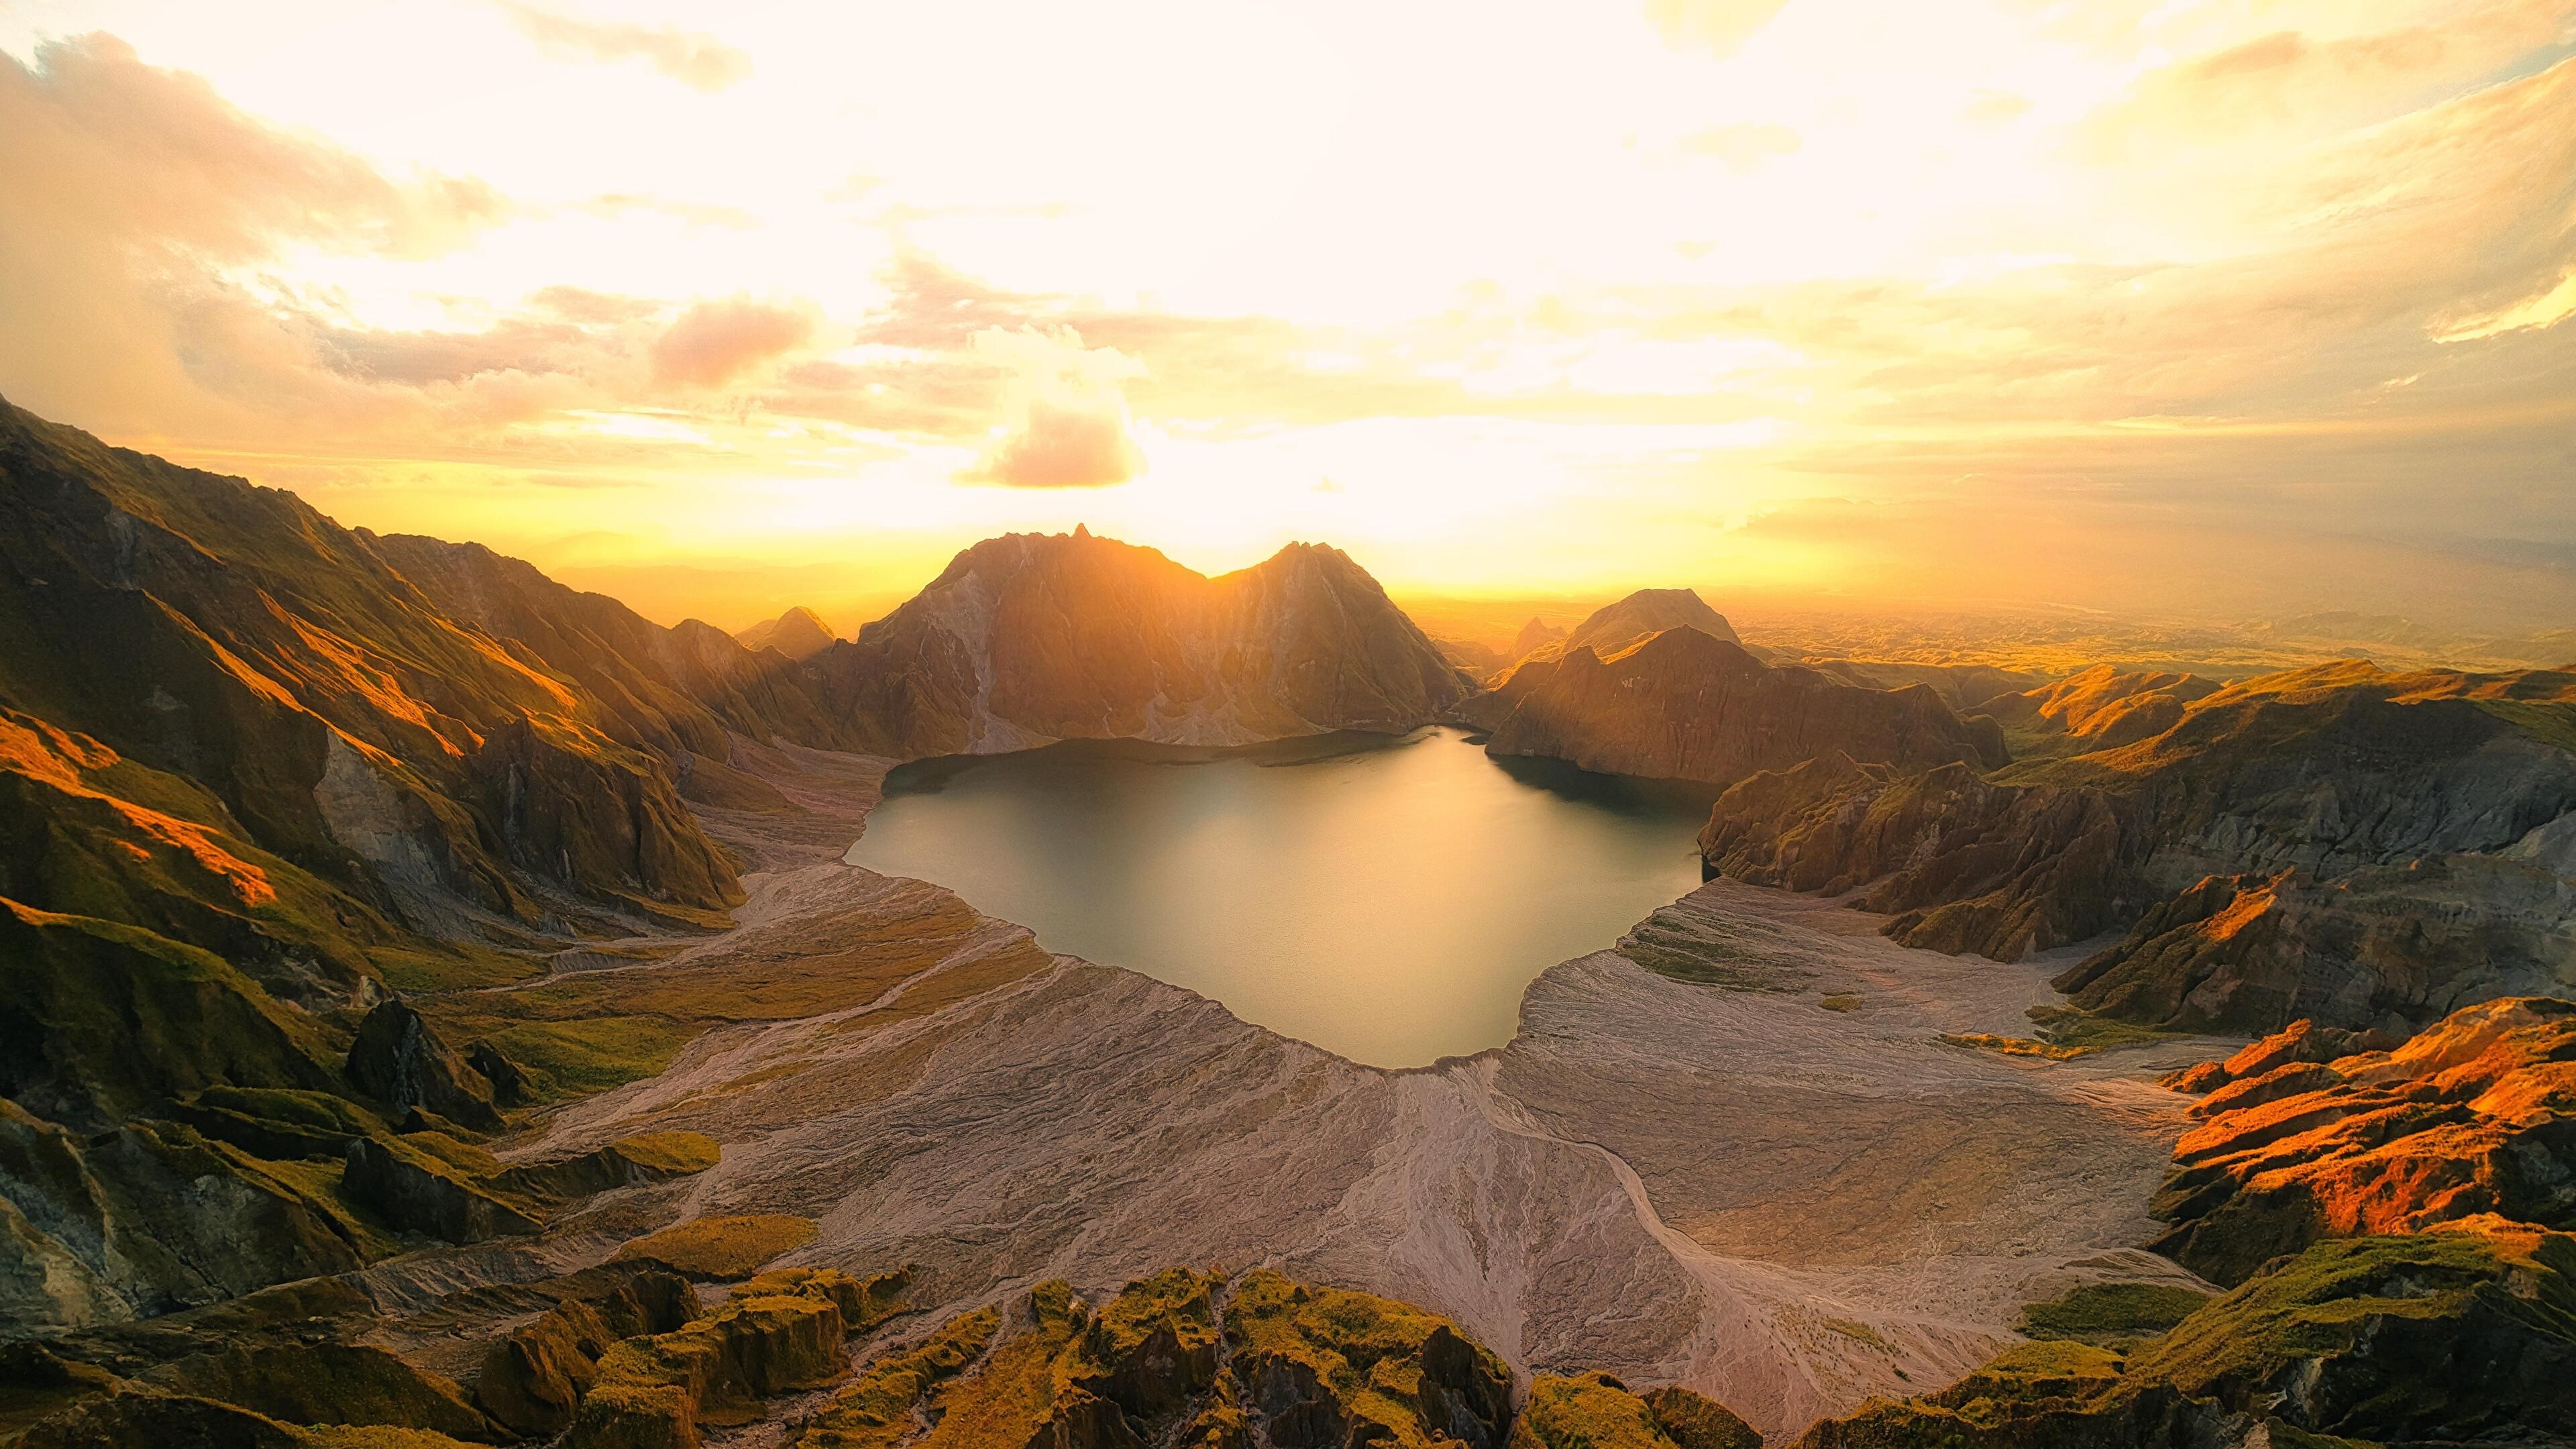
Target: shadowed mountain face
[800,633]
[1629,622]
[2364,848]
[231,635]
[1028,639]
[1688,705]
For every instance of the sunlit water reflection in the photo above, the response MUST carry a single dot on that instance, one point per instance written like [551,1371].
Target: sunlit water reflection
[1384,899]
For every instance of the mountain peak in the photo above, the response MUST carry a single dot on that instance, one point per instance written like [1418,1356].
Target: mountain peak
[800,633]
[1537,633]
[1648,612]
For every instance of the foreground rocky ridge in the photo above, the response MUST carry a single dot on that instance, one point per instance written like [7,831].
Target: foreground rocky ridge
[2340,843]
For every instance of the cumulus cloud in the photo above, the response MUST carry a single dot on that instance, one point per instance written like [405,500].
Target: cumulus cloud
[1064,416]
[136,196]
[713,343]
[700,62]
[1715,25]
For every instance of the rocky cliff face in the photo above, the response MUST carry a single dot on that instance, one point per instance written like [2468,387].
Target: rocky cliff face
[1029,639]
[1961,862]
[1688,705]
[2386,847]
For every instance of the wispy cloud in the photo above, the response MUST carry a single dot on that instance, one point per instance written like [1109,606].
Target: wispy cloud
[694,59]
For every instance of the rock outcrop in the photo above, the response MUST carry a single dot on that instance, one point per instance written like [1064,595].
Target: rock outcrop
[1596,1411]
[418,1183]
[1183,1358]
[1028,639]
[2476,1114]
[399,1060]
[779,1331]
[1687,705]
[533,1377]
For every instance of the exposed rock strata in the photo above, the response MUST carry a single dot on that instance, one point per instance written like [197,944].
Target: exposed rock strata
[2477,1114]
[779,1331]
[232,635]
[533,1377]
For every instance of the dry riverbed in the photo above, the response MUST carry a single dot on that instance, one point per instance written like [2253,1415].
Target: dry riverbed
[1783,1204]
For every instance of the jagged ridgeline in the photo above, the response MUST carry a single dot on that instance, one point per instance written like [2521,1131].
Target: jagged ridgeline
[2367,849]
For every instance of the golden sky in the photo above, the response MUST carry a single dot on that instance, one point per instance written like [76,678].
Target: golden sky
[2193,307]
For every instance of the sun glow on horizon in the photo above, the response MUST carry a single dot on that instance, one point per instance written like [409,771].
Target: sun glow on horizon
[1987,298]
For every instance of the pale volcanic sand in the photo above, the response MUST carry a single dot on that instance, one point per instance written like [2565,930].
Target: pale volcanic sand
[1785,1207]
